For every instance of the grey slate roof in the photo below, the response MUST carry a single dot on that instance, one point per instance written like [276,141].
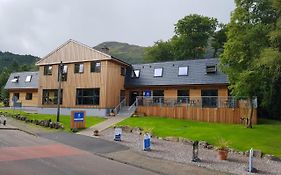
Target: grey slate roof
[196,74]
[21,84]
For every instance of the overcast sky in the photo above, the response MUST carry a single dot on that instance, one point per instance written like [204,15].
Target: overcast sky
[39,26]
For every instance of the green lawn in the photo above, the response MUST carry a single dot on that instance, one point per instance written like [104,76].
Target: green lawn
[65,120]
[265,136]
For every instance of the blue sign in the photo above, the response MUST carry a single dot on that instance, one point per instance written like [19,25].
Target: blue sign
[117,134]
[78,116]
[147,93]
[146,142]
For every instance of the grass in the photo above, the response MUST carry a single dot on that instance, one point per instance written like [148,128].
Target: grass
[64,119]
[265,136]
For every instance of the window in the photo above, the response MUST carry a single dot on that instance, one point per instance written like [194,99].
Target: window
[183,96]
[28,96]
[96,66]
[50,97]
[16,79]
[16,96]
[183,71]
[158,72]
[210,69]
[48,70]
[158,96]
[209,98]
[63,74]
[136,73]
[88,96]
[79,68]
[28,78]
[123,71]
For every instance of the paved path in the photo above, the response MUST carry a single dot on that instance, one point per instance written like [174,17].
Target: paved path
[103,125]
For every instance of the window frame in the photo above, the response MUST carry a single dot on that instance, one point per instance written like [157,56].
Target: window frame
[155,69]
[55,98]
[134,75]
[77,68]
[48,70]
[208,67]
[28,96]
[94,96]
[28,80]
[123,71]
[94,67]
[187,70]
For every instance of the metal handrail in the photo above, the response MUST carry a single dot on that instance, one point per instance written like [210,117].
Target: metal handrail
[119,105]
[133,105]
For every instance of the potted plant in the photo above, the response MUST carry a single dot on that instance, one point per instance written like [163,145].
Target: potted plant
[222,147]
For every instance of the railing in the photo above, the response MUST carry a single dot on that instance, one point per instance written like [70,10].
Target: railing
[134,105]
[192,101]
[119,106]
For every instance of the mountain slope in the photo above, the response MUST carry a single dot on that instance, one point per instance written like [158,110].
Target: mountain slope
[132,54]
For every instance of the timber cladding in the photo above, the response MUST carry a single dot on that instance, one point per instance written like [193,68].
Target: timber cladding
[22,97]
[109,80]
[215,115]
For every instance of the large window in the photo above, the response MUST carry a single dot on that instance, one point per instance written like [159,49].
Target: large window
[95,66]
[50,97]
[183,71]
[28,96]
[209,98]
[183,96]
[88,96]
[79,68]
[158,72]
[48,70]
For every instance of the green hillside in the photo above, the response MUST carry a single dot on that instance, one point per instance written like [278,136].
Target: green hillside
[132,54]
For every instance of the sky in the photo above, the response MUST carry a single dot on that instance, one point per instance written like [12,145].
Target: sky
[39,26]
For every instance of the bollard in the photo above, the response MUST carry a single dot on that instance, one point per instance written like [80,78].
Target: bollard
[146,142]
[117,134]
[251,168]
[195,151]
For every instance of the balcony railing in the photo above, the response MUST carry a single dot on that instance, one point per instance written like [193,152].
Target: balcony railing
[202,101]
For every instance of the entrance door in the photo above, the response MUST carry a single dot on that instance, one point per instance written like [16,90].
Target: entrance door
[133,96]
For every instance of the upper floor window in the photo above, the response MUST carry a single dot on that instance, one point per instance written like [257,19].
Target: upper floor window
[28,78]
[211,69]
[95,66]
[136,73]
[79,68]
[63,73]
[48,70]
[158,72]
[16,79]
[183,71]
[123,71]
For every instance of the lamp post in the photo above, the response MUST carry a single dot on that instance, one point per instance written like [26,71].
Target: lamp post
[59,90]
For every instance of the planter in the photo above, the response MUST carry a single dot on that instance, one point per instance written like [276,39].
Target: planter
[222,154]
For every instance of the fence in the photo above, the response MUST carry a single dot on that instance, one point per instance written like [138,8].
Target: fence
[207,109]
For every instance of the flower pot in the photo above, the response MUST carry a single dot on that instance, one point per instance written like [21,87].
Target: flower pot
[222,154]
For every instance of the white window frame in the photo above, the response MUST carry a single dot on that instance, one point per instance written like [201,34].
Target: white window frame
[183,71]
[158,72]
[28,78]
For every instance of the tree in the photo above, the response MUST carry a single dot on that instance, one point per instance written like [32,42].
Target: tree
[218,40]
[251,22]
[190,40]
[192,33]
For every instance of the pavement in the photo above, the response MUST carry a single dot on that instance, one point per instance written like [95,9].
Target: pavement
[111,121]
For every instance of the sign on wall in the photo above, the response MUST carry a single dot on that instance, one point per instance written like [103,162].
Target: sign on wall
[147,93]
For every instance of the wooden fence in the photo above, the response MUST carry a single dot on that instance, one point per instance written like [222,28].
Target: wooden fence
[215,115]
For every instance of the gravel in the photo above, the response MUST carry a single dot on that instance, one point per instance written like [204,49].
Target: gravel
[182,152]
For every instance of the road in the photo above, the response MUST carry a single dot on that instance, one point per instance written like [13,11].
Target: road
[59,154]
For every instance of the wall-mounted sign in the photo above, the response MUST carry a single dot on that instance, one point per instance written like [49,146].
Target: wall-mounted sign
[147,93]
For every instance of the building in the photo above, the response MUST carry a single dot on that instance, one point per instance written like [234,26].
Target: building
[99,84]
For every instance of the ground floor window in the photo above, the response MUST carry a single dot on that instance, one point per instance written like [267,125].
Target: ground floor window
[16,96]
[158,96]
[209,98]
[183,96]
[50,97]
[88,96]
[28,96]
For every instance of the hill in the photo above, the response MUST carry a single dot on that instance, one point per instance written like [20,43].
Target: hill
[132,54]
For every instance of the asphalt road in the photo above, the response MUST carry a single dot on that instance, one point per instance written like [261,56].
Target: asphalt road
[21,153]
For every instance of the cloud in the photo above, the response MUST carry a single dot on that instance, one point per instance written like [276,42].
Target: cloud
[37,27]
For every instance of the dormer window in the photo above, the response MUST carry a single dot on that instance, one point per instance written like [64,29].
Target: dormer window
[183,71]
[136,73]
[28,78]
[211,69]
[16,79]
[158,72]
